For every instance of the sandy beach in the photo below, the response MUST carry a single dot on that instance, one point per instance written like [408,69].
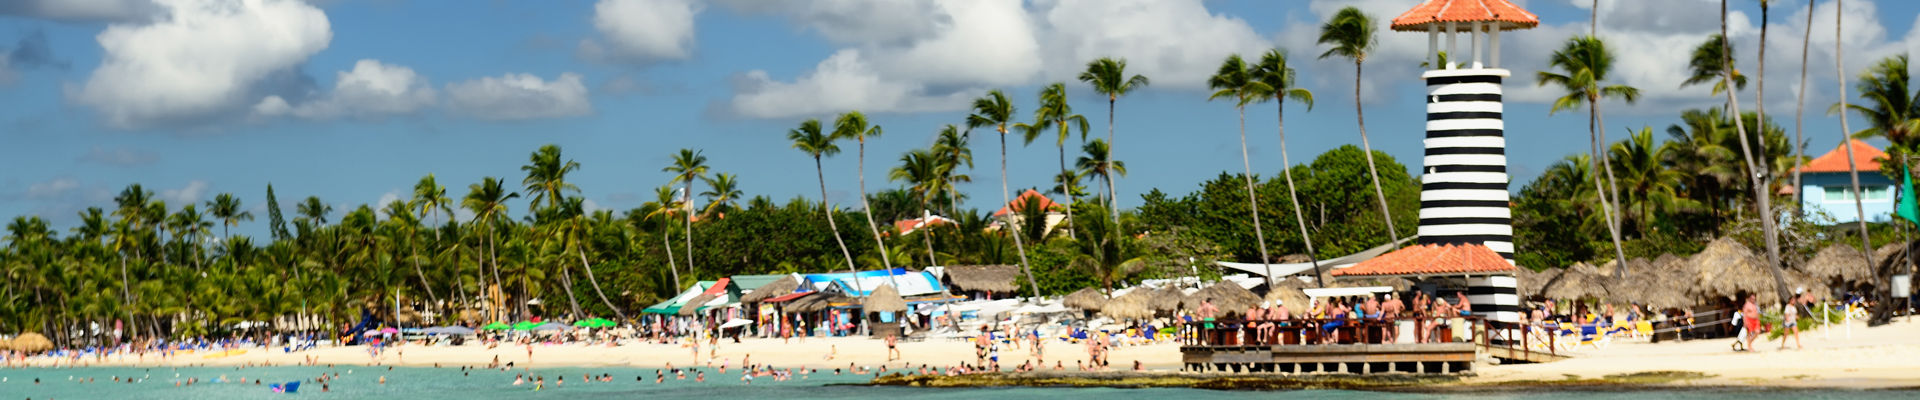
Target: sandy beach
[1882,357]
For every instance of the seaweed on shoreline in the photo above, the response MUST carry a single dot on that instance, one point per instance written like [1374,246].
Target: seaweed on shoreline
[1650,380]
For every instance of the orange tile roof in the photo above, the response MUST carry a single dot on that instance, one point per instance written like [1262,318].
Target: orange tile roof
[1431,259]
[1011,206]
[1865,157]
[1509,16]
[909,225]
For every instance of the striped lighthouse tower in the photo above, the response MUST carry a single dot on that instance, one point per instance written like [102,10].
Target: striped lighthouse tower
[1463,194]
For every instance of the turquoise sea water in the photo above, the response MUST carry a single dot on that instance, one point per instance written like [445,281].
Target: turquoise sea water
[454,384]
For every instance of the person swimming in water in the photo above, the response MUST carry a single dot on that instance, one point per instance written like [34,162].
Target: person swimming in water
[519,379]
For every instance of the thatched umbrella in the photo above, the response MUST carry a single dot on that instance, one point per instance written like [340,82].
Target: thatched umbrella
[5,344]
[884,299]
[1133,305]
[1229,297]
[815,302]
[779,287]
[1089,299]
[1531,283]
[1581,280]
[1638,265]
[31,342]
[986,278]
[693,305]
[1840,262]
[1288,294]
[1666,260]
[1726,268]
[1168,299]
[1657,289]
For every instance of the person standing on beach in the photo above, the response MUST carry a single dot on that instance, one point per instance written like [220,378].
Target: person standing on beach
[1751,312]
[1388,312]
[893,348]
[1790,317]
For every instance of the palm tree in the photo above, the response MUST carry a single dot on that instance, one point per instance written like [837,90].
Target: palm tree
[809,139]
[662,207]
[1235,81]
[997,111]
[1757,170]
[725,191]
[547,176]
[575,231]
[1274,71]
[1880,313]
[688,166]
[400,216]
[951,148]
[921,168]
[1109,77]
[1099,162]
[314,209]
[1800,111]
[488,201]
[430,199]
[1113,255]
[1711,63]
[226,208]
[1586,64]
[1652,188]
[1054,113]
[1697,148]
[1891,109]
[1351,34]
[853,125]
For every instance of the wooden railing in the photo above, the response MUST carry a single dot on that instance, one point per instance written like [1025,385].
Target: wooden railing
[1238,332]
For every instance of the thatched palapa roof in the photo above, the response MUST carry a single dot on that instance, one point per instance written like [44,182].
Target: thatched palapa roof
[1089,299]
[989,278]
[1581,280]
[693,305]
[1287,293]
[1169,299]
[884,299]
[1726,268]
[1229,297]
[1657,288]
[1531,283]
[31,342]
[1842,262]
[1133,305]
[815,302]
[780,287]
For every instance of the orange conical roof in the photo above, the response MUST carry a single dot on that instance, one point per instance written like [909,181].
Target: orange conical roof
[1865,158]
[1019,202]
[1506,15]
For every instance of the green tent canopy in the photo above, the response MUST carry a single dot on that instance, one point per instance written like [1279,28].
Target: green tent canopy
[524,326]
[594,323]
[495,326]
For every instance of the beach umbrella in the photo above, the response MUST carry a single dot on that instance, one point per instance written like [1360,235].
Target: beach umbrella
[1726,268]
[1133,305]
[495,326]
[550,326]
[1169,299]
[736,322]
[1229,297]
[1582,280]
[31,342]
[449,330]
[985,278]
[1840,262]
[594,323]
[389,330]
[524,326]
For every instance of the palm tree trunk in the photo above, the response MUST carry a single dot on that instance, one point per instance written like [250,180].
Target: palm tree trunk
[1286,170]
[566,282]
[1359,114]
[1610,207]
[1115,206]
[1759,169]
[596,283]
[667,243]
[1800,115]
[1066,187]
[497,283]
[884,260]
[1005,198]
[1253,201]
[1860,213]
[688,198]
[414,253]
[821,173]
[125,289]
[926,235]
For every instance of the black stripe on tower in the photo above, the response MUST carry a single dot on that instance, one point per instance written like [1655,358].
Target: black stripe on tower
[1463,203]
[1442,116]
[1441,151]
[1466,168]
[1449,98]
[1478,290]
[1442,133]
[1449,80]
[1465,239]
[1464,221]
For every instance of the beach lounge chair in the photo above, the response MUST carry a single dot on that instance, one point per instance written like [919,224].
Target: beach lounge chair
[1591,335]
[292,387]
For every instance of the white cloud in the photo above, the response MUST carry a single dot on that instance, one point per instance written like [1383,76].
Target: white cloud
[988,43]
[190,194]
[1178,44]
[842,82]
[639,31]
[82,10]
[202,60]
[520,96]
[371,90]
[57,199]
[857,21]
[388,197]
[51,189]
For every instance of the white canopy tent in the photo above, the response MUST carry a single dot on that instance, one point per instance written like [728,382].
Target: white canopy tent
[1331,263]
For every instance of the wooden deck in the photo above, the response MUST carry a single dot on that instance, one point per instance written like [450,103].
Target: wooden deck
[1423,358]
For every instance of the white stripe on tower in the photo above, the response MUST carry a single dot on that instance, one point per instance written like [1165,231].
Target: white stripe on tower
[1496,298]
[1463,198]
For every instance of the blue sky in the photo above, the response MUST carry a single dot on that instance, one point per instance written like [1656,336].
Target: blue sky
[354,100]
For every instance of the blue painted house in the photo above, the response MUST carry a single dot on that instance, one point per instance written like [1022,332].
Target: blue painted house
[1828,185]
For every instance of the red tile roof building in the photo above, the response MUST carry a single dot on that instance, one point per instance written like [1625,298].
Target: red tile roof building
[1019,202]
[1865,157]
[1509,16]
[1431,260]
